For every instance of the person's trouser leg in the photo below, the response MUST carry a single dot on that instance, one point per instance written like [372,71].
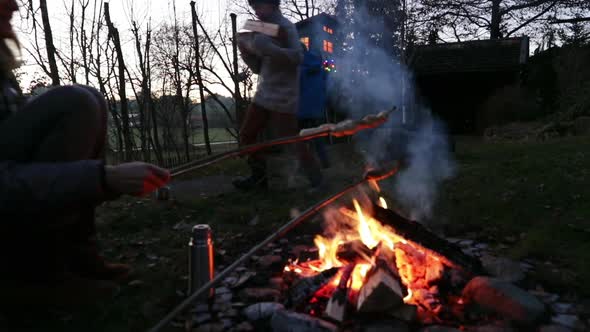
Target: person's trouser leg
[286,124]
[319,144]
[64,124]
[254,123]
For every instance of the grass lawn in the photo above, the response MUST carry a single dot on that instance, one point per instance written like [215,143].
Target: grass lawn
[196,136]
[215,135]
[528,200]
[531,197]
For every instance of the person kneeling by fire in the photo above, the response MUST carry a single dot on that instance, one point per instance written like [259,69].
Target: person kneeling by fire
[272,50]
[52,177]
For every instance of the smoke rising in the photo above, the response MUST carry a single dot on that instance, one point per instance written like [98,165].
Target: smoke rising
[370,79]
[430,163]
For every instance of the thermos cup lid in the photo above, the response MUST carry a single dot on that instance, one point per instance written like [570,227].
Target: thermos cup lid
[201,232]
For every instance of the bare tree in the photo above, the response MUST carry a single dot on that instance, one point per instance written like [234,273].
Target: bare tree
[296,10]
[114,36]
[215,63]
[200,80]
[83,42]
[47,62]
[140,81]
[72,37]
[49,42]
[499,18]
[144,98]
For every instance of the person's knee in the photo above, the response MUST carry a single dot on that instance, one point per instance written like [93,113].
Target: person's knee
[76,97]
[98,96]
[81,104]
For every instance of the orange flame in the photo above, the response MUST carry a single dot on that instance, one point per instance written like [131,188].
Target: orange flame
[358,276]
[371,233]
[408,297]
[363,228]
[327,252]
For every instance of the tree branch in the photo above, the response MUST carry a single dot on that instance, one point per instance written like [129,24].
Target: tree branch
[525,23]
[570,20]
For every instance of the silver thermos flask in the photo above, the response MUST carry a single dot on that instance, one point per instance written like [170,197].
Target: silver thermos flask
[201,266]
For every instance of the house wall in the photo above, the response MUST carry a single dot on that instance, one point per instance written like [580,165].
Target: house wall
[314,30]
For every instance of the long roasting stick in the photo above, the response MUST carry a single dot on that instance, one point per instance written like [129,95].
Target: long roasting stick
[371,175]
[341,129]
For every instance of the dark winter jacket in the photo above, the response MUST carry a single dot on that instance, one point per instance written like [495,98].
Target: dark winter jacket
[43,189]
[312,87]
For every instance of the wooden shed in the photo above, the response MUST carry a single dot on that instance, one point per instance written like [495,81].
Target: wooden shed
[455,79]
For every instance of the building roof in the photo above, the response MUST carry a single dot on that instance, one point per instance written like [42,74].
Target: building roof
[319,17]
[471,56]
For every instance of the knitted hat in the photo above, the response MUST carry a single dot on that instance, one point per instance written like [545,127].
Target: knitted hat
[272,2]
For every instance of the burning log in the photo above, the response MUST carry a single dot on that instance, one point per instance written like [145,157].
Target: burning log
[419,236]
[336,308]
[385,259]
[412,265]
[382,289]
[381,292]
[354,251]
[434,270]
[304,289]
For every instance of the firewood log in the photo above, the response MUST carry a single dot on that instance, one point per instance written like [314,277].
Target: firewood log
[354,251]
[336,308]
[417,234]
[269,29]
[381,292]
[304,289]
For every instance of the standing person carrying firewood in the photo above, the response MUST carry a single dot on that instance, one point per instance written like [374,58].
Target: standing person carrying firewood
[276,60]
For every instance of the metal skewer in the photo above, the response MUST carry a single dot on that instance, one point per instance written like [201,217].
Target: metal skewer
[344,128]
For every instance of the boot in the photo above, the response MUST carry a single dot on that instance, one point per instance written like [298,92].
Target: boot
[258,178]
[250,183]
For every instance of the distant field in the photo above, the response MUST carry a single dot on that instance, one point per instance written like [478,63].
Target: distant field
[171,156]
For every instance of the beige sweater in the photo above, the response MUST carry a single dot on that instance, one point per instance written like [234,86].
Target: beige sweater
[277,64]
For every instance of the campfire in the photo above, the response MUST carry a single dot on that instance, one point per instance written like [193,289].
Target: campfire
[370,268]
[363,266]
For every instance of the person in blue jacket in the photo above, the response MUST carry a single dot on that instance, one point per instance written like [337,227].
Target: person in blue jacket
[52,176]
[313,98]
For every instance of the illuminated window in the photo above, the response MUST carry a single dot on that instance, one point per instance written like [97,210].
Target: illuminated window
[328,30]
[328,46]
[305,41]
